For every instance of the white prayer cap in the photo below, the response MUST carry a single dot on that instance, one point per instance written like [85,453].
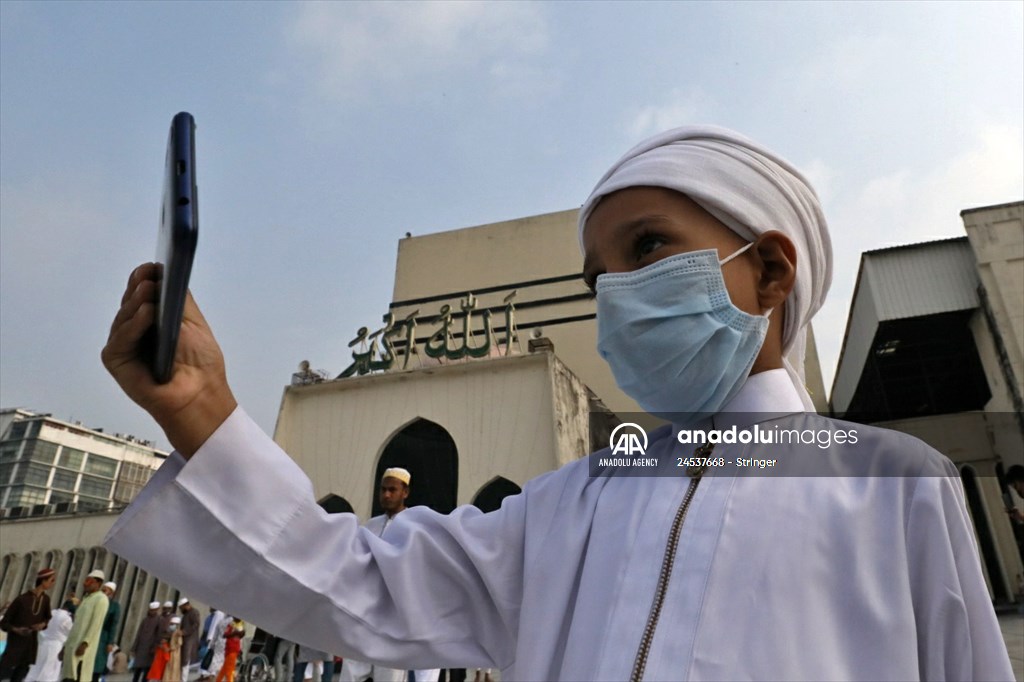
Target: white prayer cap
[112,586]
[154,604]
[168,605]
[97,574]
[397,472]
[182,601]
[751,190]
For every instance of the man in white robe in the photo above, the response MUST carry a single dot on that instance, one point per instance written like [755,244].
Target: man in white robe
[394,491]
[604,576]
[210,628]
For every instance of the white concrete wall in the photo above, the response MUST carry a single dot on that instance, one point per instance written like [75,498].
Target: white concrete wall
[71,545]
[996,235]
[515,417]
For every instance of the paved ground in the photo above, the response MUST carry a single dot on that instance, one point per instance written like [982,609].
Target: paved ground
[1013,632]
[1012,625]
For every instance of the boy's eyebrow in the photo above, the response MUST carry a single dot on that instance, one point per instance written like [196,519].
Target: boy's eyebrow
[648,219]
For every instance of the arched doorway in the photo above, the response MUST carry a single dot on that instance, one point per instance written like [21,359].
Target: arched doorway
[7,569]
[71,583]
[987,544]
[490,496]
[335,504]
[428,451]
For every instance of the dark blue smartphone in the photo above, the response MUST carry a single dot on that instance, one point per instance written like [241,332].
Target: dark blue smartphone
[179,231]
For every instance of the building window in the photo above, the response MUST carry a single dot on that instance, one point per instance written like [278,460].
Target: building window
[101,466]
[125,492]
[64,480]
[57,498]
[92,503]
[33,474]
[25,496]
[71,458]
[9,452]
[17,430]
[134,473]
[131,481]
[40,451]
[5,473]
[97,487]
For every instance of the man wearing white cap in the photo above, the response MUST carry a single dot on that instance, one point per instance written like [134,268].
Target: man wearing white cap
[108,634]
[189,636]
[393,492]
[709,255]
[166,613]
[84,639]
[146,639]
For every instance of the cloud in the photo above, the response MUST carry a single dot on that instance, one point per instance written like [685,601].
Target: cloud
[364,47]
[849,63]
[906,206]
[681,108]
[823,179]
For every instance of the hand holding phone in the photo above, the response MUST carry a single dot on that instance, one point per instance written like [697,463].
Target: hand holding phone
[161,351]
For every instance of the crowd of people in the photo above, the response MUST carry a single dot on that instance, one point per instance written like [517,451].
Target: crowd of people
[73,642]
[78,641]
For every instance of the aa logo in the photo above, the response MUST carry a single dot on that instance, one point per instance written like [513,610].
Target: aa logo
[628,439]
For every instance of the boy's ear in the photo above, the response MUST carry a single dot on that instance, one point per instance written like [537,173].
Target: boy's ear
[777,257]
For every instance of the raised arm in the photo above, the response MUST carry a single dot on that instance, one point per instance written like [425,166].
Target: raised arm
[441,590]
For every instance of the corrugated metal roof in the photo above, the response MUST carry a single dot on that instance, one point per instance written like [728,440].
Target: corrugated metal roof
[923,279]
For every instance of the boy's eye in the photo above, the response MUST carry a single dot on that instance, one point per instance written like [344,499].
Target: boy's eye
[646,244]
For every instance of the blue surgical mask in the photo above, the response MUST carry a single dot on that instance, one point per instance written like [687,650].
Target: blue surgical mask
[674,340]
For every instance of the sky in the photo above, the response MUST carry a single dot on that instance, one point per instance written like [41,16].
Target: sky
[326,131]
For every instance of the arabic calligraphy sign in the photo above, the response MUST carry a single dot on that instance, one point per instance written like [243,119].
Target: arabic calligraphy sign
[395,342]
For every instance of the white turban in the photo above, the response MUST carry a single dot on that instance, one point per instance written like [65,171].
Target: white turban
[751,190]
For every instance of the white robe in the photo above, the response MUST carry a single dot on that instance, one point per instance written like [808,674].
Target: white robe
[51,641]
[217,642]
[793,578]
[353,670]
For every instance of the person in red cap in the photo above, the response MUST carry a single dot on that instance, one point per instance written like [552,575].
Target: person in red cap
[25,617]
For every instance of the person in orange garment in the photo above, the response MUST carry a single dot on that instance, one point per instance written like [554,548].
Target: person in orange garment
[160,658]
[232,647]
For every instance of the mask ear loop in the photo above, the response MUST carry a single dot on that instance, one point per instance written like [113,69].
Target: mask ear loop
[735,254]
[728,258]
